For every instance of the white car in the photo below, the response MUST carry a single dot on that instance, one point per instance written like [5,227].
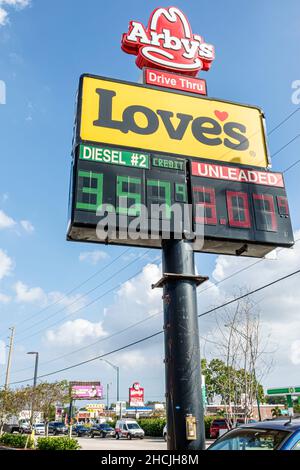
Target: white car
[128,428]
[39,429]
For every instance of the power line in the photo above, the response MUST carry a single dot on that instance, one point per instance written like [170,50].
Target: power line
[291,166]
[242,269]
[283,121]
[286,145]
[91,302]
[96,342]
[258,289]
[25,320]
[236,299]
[148,318]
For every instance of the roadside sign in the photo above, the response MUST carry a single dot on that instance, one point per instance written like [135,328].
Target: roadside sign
[118,113]
[284,391]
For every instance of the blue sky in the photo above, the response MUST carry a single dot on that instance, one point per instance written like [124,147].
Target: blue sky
[44,48]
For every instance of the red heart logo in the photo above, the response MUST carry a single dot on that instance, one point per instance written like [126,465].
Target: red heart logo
[222,115]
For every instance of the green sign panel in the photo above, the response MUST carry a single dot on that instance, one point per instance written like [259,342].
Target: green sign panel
[284,391]
[113,156]
[168,163]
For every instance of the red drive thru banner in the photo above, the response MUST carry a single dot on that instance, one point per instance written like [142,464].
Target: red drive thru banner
[136,395]
[174,81]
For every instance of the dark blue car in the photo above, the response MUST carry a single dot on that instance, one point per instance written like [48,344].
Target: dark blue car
[265,435]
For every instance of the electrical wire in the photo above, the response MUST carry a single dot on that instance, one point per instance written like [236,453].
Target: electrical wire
[236,299]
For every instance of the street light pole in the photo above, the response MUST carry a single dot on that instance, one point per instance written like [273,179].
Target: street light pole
[117,369]
[248,338]
[34,381]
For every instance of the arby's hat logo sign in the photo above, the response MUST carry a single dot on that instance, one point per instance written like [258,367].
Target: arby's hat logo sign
[168,43]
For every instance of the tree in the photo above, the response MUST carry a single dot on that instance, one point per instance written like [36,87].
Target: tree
[240,359]
[46,395]
[12,402]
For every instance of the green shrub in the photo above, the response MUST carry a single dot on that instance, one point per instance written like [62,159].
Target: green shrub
[153,426]
[57,443]
[16,440]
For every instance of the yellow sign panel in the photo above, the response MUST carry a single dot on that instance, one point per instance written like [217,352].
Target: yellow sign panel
[140,117]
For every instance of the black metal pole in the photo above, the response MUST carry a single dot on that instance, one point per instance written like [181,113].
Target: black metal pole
[182,350]
[118,383]
[36,369]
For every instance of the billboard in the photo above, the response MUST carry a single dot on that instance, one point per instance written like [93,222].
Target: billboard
[86,390]
[149,119]
[136,395]
[244,209]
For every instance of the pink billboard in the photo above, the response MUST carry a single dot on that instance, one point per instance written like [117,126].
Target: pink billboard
[87,392]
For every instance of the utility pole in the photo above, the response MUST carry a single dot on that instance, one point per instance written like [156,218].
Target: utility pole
[182,350]
[11,346]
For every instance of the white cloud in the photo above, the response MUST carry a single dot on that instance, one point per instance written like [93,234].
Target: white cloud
[4,299]
[295,352]
[4,4]
[6,221]
[25,294]
[93,257]
[6,264]
[75,333]
[27,226]
[71,302]
[3,16]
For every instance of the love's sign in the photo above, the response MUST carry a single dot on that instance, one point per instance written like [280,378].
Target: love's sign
[140,117]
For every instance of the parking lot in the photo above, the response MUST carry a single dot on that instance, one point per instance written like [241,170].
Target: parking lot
[151,443]
[122,444]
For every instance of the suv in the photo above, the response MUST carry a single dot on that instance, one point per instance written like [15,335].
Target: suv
[102,430]
[128,428]
[57,427]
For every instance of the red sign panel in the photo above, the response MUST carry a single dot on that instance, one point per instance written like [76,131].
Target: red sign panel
[175,82]
[136,395]
[168,43]
[241,175]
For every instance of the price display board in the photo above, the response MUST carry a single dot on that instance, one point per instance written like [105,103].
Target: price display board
[150,165]
[241,205]
[134,189]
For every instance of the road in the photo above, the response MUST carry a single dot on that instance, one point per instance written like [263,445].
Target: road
[123,444]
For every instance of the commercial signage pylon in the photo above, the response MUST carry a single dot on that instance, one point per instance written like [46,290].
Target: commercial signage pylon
[184,401]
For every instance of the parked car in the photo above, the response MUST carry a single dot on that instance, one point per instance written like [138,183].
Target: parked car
[265,435]
[129,429]
[39,429]
[103,430]
[215,427]
[57,427]
[165,435]
[25,428]
[80,430]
